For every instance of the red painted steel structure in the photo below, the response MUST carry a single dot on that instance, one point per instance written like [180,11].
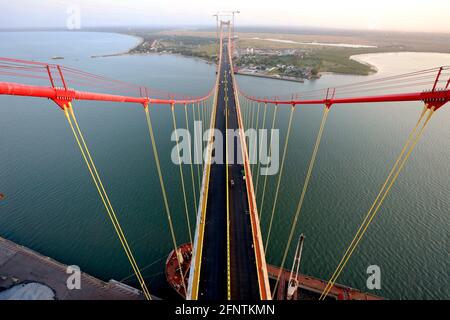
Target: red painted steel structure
[431,78]
[63,76]
[433,98]
[62,96]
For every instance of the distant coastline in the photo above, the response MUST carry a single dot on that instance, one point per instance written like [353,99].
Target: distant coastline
[360,58]
[131,50]
[291,79]
[140,42]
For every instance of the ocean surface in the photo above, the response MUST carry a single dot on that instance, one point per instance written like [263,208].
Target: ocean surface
[52,206]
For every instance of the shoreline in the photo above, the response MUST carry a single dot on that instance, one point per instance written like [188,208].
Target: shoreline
[360,59]
[265,76]
[299,80]
[356,57]
[140,41]
[366,58]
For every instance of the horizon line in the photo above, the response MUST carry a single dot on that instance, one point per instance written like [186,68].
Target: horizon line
[208,26]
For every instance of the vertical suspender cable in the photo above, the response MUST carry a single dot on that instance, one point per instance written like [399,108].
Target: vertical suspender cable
[255,147]
[68,112]
[251,126]
[244,109]
[195,148]
[204,122]
[201,126]
[391,173]
[163,190]
[191,158]
[247,113]
[260,147]
[411,142]
[252,112]
[305,188]
[201,117]
[180,165]
[270,157]
[288,133]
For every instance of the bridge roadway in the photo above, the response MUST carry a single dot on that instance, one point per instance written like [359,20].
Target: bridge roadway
[213,284]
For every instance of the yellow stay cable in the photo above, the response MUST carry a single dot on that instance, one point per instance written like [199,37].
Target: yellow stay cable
[302,196]
[200,108]
[255,149]
[270,157]
[242,105]
[286,141]
[398,166]
[201,123]
[104,196]
[206,115]
[250,125]
[195,148]
[163,189]
[397,162]
[247,114]
[260,147]
[205,123]
[191,158]
[68,111]
[211,107]
[244,113]
[252,111]
[180,165]
[244,109]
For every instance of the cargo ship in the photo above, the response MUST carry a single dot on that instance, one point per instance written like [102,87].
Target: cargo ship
[305,288]
[175,274]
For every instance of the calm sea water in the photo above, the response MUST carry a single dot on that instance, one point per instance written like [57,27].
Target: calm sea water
[52,206]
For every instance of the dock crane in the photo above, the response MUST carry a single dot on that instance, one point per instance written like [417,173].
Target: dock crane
[293,278]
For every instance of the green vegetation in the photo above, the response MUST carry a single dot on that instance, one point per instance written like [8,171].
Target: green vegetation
[337,61]
[191,46]
[317,59]
[324,59]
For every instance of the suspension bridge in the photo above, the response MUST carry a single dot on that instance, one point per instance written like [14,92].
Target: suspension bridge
[228,248]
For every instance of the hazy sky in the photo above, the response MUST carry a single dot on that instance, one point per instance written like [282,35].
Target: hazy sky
[403,15]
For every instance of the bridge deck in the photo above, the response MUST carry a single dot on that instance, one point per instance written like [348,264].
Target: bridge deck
[213,276]
[228,258]
[244,279]
[213,282]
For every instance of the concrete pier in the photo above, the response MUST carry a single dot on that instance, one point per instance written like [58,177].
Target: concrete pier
[20,265]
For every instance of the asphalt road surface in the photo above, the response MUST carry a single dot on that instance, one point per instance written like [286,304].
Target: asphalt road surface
[213,277]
